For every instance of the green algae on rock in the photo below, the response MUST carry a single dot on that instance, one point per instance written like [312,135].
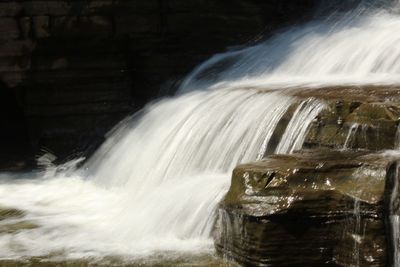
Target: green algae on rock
[11,221]
[17,226]
[7,213]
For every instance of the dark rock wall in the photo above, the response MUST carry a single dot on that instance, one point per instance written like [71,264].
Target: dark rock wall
[75,68]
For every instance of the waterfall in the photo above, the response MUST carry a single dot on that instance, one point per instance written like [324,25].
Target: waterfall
[295,133]
[175,160]
[350,135]
[155,183]
[202,131]
[360,47]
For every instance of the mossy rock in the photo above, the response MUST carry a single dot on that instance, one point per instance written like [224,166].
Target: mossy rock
[16,227]
[7,213]
[11,221]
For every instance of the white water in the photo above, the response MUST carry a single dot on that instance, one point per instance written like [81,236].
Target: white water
[355,49]
[156,181]
[295,133]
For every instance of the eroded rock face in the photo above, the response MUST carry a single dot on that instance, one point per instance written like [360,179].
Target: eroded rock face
[313,208]
[355,125]
[355,117]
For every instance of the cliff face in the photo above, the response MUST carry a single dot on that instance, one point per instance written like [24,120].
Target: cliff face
[70,70]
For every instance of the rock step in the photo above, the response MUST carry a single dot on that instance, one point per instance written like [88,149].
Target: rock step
[364,117]
[312,208]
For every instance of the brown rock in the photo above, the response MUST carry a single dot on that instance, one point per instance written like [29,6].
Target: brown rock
[355,117]
[310,209]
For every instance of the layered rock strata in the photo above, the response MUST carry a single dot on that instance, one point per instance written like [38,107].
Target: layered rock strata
[313,208]
[333,203]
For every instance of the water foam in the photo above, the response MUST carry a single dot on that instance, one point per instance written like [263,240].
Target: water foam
[155,184]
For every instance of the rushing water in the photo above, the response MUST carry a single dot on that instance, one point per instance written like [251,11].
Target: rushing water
[359,47]
[154,184]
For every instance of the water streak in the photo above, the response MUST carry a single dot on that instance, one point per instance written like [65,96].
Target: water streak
[295,133]
[350,135]
[356,234]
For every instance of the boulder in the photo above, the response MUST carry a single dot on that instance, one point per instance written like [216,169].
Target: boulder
[312,208]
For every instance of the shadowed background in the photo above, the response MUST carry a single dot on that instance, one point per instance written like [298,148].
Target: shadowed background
[70,70]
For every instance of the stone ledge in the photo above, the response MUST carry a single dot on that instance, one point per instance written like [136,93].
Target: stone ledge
[312,208]
[359,117]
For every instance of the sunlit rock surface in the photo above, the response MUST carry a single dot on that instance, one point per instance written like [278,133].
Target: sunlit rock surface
[354,117]
[364,117]
[311,208]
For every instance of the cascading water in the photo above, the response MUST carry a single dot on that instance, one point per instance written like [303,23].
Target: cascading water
[359,47]
[177,167]
[293,137]
[156,181]
[194,139]
[350,135]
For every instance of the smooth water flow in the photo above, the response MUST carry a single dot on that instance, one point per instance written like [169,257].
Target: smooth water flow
[155,183]
[200,131]
[295,133]
[350,135]
[358,47]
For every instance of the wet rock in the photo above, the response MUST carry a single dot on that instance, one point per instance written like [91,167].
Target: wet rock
[355,117]
[313,208]
[11,221]
[17,226]
[7,213]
